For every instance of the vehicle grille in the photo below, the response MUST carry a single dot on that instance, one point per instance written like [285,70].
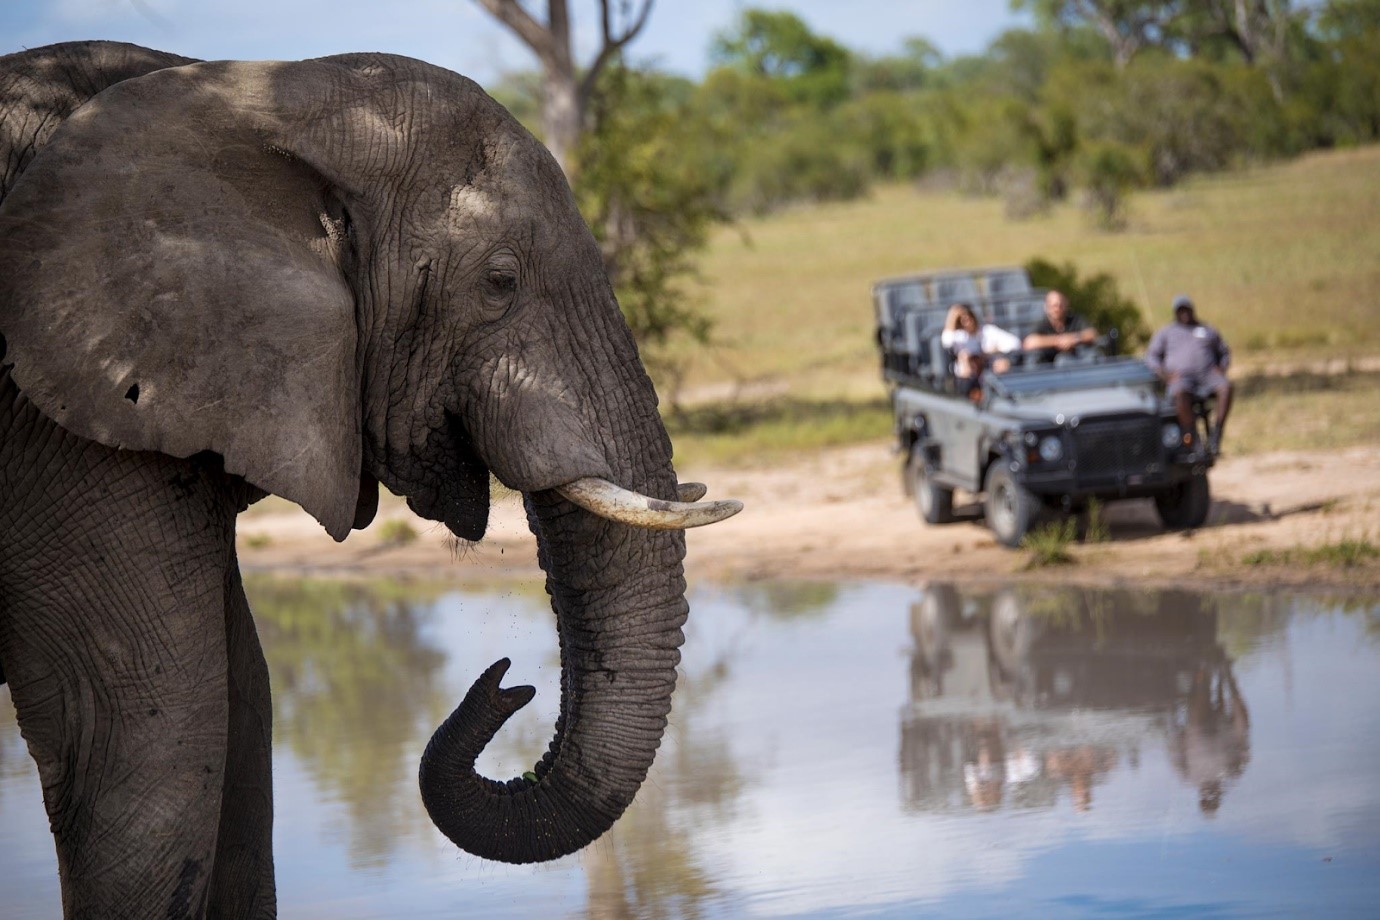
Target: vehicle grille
[1117,449]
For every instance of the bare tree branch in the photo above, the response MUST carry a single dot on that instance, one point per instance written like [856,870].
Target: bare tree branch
[612,43]
[520,22]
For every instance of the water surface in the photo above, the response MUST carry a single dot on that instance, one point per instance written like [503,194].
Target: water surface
[838,750]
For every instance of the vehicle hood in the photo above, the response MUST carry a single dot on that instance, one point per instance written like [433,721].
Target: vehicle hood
[1041,407]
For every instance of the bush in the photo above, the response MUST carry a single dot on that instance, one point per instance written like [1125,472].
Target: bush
[1108,171]
[396,532]
[1096,298]
[1049,544]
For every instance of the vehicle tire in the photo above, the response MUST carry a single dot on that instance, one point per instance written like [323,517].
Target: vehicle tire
[934,502]
[933,620]
[1010,635]
[1185,505]
[1012,509]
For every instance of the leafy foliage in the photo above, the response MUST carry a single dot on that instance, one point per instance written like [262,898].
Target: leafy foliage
[1049,544]
[780,46]
[650,199]
[1096,298]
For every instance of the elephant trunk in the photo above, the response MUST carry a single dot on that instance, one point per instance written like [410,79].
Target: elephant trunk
[619,623]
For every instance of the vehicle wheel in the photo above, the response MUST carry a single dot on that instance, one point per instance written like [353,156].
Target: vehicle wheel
[1185,505]
[934,502]
[933,620]
[1010,634]
[1012,509]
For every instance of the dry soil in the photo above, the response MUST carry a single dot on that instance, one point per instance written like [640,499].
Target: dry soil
[841,514]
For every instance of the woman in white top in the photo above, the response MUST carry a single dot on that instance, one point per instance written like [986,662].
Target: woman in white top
[971,342]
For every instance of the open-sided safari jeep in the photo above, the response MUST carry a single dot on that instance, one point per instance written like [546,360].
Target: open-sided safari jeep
[1042,438]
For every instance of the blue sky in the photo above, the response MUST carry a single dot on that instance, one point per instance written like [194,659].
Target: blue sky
[459,35]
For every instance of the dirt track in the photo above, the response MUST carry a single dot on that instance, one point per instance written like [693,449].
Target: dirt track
[841,515]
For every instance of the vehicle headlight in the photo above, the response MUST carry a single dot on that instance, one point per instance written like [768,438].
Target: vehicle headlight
[1170,435]
[1051,449]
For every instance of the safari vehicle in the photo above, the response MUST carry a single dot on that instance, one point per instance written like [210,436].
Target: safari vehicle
[1042,439]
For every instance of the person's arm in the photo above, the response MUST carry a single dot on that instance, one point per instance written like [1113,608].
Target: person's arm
[1154,355]
[1040,340]
[1223,352]
[997,339]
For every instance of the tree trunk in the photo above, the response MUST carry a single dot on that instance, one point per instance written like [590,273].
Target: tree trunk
[562,115]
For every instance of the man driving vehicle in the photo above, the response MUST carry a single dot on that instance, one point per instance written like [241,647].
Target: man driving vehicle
[1060,332]
[1191,358]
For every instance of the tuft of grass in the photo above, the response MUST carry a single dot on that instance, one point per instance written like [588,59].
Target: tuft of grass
[1096,530]
[396,532]
[1049,544]
[1346,553]
[258,541]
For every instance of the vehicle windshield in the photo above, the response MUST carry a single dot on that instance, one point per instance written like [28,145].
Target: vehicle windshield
[1110,372]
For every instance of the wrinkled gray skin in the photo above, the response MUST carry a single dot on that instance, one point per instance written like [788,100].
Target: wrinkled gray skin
[219,280]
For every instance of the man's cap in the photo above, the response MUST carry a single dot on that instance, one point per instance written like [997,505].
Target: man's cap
[1182,302]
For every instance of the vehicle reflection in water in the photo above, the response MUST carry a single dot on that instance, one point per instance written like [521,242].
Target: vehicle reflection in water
[1061,752]
[1023,695]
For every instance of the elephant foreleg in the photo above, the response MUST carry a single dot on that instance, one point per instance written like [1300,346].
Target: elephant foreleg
[243,884]
[113,627]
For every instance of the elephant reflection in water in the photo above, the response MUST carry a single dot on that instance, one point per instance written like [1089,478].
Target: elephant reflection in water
[996,678]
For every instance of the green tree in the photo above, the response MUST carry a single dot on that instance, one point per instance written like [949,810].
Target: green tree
[914,68]
[1096,297]
[1108,171]
[567,92]
[650,188]
[1343,86]
[1127,26]
[779,46]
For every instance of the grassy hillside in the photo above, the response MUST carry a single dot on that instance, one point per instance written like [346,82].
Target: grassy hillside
[1284,259]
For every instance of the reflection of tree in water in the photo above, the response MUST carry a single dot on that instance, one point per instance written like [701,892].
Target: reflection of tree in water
[14,755]
[356,693]
[996,678]
[647,867]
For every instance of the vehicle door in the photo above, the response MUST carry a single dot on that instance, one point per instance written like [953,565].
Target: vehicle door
[956,425]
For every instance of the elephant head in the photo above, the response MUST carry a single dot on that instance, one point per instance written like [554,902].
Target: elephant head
[358,270]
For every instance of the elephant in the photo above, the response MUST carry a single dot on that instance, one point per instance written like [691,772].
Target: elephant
[223,280]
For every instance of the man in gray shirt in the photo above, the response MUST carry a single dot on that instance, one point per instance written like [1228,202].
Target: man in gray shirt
[1191,358]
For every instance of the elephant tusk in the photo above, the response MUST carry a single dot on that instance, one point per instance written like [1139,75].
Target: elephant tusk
[691,491]
[601,497]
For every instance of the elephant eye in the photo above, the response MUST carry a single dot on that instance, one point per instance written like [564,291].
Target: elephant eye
[502,282]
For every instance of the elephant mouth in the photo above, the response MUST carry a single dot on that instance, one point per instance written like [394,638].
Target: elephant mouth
[466,509]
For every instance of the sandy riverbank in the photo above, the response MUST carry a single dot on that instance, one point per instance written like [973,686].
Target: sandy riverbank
[840,514]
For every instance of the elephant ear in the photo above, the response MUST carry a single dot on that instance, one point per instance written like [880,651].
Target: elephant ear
[174,278]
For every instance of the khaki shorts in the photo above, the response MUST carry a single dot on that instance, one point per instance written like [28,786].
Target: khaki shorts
[1200,385]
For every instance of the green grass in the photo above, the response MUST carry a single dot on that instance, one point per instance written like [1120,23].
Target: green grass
[1049,544]
[1096,530]
[1282,257]
[1347,553]
[1285,260]
[772,429]
[396,532]
[1304,412]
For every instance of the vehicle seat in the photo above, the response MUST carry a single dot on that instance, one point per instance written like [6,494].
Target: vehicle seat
[1004,283]
[941,364]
